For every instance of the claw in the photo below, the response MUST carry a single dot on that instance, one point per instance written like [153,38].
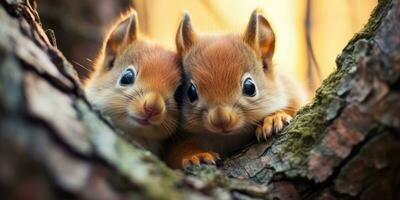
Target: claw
[272,124]
[200,158]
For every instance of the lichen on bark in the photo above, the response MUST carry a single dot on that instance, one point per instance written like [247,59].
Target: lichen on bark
[48,126]
[311,121]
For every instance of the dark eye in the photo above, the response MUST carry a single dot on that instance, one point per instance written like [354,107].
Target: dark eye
[127,78]
[178,95]
[192,93]
[249,88]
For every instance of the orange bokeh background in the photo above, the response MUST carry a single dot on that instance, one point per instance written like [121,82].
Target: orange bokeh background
[333,24]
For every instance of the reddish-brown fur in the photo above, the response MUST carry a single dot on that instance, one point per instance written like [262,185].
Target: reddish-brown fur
[156,66]
[206,67]
[145,110]
[223,118]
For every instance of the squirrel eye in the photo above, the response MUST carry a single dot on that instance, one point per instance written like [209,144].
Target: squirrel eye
[249,88]
[127,78]
[192,93]
[178,95]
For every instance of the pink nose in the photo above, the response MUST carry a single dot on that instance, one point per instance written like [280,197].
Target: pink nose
[153,106]
[220,118]
[151,110]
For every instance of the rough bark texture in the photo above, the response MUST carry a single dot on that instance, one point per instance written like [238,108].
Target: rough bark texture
[80,27]
[344,145]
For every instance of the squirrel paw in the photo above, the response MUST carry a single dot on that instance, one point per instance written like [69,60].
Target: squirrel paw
[198,158]
[273,123]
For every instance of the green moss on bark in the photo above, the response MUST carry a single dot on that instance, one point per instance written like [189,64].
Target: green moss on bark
[308,127]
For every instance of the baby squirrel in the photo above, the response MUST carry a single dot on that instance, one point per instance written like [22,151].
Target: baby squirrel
[232,91]
[134,82]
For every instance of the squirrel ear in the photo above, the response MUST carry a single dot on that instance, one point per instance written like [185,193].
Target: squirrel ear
[124,33]
[133,29]
[260,36]
[185,36]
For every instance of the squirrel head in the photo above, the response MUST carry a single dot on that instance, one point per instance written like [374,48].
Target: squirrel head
[135,81]
[231,82]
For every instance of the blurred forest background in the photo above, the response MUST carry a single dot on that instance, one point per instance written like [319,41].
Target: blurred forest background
[327,25]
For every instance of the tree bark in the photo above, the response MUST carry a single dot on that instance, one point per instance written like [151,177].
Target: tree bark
[343,145]
[80,27]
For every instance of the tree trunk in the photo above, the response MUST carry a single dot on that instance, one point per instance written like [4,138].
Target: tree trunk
[344,145]
[80,27]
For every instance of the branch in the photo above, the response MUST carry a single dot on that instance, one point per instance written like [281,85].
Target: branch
[53,145]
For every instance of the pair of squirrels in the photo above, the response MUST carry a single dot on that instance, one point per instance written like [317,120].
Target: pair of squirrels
[208,99]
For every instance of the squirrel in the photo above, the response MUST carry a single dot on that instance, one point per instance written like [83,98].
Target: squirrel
[232,92]
[136,82]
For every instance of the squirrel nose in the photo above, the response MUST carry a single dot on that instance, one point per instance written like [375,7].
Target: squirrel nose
[153,104]
[221,118]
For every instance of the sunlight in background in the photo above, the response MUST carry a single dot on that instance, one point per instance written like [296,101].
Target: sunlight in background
[333,24]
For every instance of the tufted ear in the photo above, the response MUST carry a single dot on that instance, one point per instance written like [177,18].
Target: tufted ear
[260,36]
[185,36]
[125,32]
